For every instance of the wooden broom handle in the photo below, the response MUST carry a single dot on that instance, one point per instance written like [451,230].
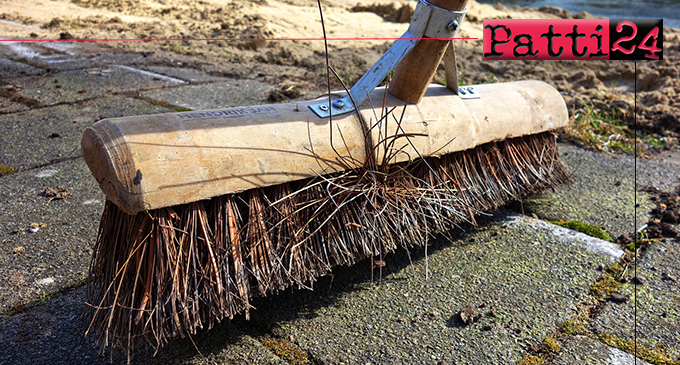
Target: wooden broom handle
[413,74]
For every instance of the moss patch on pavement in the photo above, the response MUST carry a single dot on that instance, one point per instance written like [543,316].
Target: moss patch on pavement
[6,170]
[285,350]
[656,356]
[586,228]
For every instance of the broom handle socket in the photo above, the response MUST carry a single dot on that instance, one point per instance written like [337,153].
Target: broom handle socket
[413,74]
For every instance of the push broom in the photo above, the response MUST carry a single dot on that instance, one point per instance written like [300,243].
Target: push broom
[207,210]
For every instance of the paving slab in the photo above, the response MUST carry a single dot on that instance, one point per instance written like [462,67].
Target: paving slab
[186,74]
[585,350]
[603,190]
[652,314]
[11,68]
[34,264]
[224,94]
[52,333]
[89,55]
[36,137]
[522,277]
[65,56]
[70,86]
[662,171]
[28,51]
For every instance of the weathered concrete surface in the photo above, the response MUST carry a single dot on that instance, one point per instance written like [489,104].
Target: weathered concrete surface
[657,297]
[36,137]
[58,254]
[8,106]
[182,73]
[70,86]
[520,276]
[602,193]
[40,57]
[216,95]
[523,278]
[663,171]
[52,333]
[585,350]
[11,68]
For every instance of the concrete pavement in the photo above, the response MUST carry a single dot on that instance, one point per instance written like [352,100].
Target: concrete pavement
[526,281]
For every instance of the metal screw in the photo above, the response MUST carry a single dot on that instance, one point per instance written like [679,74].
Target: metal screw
[452,26]
[461,90]
[323,107]
[471,89]
[338,103]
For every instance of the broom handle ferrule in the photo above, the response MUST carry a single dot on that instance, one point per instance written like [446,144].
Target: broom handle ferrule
[413,74]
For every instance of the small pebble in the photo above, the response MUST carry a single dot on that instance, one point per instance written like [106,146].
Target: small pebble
[618,298]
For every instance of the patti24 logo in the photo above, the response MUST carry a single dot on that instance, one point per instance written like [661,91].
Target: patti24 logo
[573,39]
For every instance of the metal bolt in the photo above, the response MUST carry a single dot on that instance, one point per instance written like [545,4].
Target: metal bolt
[323,107]
[338,103]
[461,90]
[452,26]
[471,89]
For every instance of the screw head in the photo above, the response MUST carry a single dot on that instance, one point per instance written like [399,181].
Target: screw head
[452,26]
[323,107]
[338,103]
[461,90]
[471,89]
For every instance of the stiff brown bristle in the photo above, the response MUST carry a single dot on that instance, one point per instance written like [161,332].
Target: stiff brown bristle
[171,271]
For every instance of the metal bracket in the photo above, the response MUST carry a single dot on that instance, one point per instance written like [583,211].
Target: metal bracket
[451,68]
[429,21]
[360,91]
[465,92]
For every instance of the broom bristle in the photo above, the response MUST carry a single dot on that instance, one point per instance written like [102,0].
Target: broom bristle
[171,271]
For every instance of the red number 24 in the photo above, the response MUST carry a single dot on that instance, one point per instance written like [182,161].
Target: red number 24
[651,49]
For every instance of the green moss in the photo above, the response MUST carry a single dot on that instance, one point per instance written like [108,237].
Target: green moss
[573,327]
[531,360]
[586,228]
[552,344]
[6,170]
[286,350]
[605,286]
[656,356]
[617,271]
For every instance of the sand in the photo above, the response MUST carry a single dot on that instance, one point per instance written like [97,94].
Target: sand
[602,85]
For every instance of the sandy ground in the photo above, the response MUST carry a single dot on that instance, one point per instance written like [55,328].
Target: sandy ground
[299,68]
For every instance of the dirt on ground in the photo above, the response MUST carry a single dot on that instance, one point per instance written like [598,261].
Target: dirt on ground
[297,68]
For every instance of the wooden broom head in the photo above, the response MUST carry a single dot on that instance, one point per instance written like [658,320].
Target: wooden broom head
[153,161]
[170,271]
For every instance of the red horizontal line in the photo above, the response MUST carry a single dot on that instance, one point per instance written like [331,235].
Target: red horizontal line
[214,39]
